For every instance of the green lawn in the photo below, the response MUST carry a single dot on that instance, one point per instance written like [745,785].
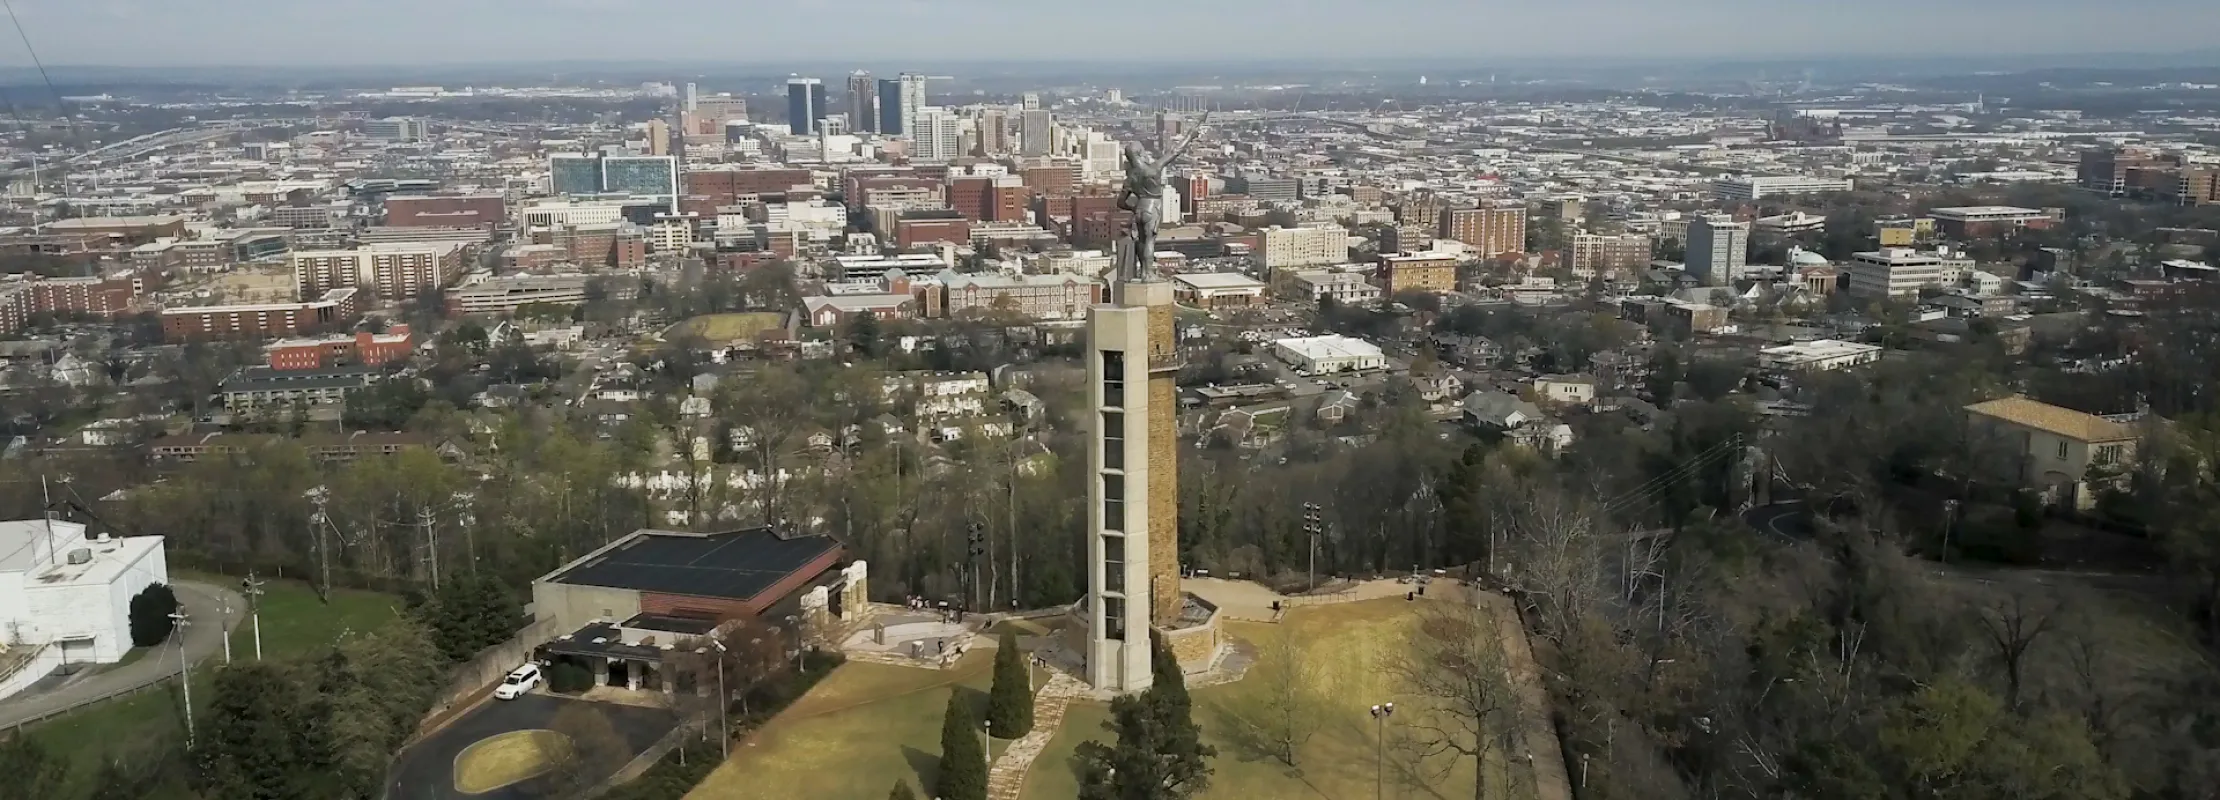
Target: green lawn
[853,736]
[294,623]
[1350,648]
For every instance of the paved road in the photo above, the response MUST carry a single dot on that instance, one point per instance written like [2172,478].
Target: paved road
[203,638]
[426,770]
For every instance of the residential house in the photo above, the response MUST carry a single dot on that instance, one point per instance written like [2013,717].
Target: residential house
[2064,453]
[1567,390]
[1336,406]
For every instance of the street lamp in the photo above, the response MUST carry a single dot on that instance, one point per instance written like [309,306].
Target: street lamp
[724,703]
[1380,713]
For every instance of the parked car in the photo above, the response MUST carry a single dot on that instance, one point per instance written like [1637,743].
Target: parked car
[519,681]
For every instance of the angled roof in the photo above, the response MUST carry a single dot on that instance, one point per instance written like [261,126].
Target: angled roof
[2052,419]
[736,565]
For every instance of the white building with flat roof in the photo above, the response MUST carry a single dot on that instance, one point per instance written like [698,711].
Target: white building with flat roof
[1818,355]
[1752,188]
[1901,271]
[65,598]
[1319,355]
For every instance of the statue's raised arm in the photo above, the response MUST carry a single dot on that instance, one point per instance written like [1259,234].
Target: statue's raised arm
[1173,154]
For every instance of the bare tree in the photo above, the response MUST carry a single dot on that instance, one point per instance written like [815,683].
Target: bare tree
[772,409]
[1463,700]
[594,751]
[2013,626]
[1290,708]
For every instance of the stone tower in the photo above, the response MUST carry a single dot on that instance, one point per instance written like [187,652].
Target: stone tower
[1133,452]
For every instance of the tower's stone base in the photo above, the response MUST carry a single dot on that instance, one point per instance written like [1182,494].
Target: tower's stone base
[1196,637]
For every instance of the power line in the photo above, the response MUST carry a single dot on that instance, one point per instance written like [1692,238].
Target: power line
[26,37]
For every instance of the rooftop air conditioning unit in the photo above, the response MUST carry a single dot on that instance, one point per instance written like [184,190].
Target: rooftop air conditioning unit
[80,556]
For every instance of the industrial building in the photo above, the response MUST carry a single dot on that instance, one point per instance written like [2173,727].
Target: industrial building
[1322,355]
[65,596]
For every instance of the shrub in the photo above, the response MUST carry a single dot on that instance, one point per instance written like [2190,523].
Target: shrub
[150,615]
[564,677]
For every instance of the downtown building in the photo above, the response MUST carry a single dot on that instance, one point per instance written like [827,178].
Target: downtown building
[1718,247]
[805,105]
[1488,230]
[1591,254]
[391,271]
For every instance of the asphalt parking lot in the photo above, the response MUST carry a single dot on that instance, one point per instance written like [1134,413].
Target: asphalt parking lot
[426,771]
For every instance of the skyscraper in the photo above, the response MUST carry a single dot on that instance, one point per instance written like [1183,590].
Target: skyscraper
[913,97]
[1717,248]
[805,103]
[1034,125]
[863,102]
[938,135]
[890,108]
[1030,100]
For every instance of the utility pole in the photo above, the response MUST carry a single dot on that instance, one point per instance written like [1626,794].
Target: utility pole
[225,620]
[179,620]
[321,523]
[724,701]
[1314,524]
[424,517]
[252,586]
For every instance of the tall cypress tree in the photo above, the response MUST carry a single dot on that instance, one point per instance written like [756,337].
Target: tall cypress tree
[1010,702]
[963,762]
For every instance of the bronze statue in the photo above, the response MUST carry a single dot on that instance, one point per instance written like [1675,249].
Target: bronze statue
[1143,194]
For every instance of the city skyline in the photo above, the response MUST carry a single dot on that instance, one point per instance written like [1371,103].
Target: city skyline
[142,33]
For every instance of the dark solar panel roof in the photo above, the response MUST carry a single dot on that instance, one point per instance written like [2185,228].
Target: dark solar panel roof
[736,565]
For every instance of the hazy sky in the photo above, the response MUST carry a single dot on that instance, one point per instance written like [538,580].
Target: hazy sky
[328,32]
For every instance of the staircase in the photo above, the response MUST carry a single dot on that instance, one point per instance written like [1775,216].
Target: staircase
[1007,778]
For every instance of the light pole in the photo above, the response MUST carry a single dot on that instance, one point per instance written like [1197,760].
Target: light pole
[253,588]
[990,745]
[223,619]
[1380,713]
[724,703]
[1313,524]
[179,620]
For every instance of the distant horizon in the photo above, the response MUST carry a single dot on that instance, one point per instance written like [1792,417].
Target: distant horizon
[448,34]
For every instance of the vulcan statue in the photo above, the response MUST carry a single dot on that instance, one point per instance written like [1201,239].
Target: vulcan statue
[1143,195]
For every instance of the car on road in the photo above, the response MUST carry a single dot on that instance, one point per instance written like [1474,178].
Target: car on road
[518,682]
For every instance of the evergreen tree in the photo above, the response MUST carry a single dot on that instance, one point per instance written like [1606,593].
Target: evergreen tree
[1159,753]
[963,761]
[259,740]
[1010,702]
[150,615]
[1167,681]
[902,791]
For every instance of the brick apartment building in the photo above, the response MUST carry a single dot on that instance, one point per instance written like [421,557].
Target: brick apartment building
[1591,254]
[989,199]
[337,309]
[361,349]
[1420,273]
[445,211]
[104,296]
[1490,230]
[616,245]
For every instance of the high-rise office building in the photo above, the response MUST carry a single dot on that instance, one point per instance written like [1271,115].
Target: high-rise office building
[994,129]
[1033,131]
[1717,248]
[1030,100]
[863,102]
[574,173]
[658,137]
[805,104]
[890,108]
[938,136]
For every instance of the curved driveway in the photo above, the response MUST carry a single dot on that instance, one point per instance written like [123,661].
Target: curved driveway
[204,637]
